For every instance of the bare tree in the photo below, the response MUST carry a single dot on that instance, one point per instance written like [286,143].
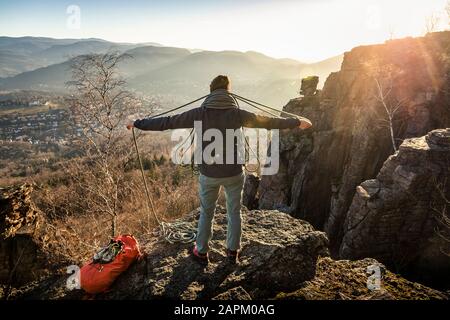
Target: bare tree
[100,107]
[383,77]
[447,9]
[432,23]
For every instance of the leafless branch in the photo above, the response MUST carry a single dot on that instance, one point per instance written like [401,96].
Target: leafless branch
[100,107]
[432,23]
[383,77]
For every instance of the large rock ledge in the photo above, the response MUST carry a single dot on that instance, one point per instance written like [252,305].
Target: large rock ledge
[279,254]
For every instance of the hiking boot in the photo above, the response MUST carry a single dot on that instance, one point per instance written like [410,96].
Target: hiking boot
[201,258]
[232,256]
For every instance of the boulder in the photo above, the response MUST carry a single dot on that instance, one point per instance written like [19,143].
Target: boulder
[309,86]
[17,211]
[22,257]
[399,217]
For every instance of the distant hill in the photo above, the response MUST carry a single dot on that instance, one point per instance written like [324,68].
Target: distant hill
[48,78]
[22,54]
[252,74]
[147,59]
[174,73]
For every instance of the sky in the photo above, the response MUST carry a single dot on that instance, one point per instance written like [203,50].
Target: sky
[306,30]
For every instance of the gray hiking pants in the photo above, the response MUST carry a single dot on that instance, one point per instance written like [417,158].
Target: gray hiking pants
[209,192]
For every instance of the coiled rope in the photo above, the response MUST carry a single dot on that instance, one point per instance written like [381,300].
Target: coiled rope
[180,231]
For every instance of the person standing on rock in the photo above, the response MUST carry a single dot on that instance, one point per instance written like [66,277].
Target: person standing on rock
[219,111]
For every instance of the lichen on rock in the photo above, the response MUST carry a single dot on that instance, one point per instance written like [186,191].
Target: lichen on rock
[348,280]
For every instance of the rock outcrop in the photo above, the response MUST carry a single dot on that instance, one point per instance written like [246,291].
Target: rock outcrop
[399,217]
[281,257]
[277,252]
[21,256]
[321,167]
[309,86]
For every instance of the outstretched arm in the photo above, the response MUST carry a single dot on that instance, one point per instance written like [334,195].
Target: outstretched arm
[182,120]
[251,120]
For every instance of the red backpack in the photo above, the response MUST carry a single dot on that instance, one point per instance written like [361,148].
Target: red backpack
[107,264]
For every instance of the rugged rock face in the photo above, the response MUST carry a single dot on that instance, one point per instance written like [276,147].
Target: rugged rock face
[399,217]
[320,168]
[21,257]
[348,280]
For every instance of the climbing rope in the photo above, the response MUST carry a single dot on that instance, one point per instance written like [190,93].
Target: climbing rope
[180,231]
[247,146]
[172,232]
[253,103]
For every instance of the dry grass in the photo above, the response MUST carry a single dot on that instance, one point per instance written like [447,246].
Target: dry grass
[77,231]
[80,230]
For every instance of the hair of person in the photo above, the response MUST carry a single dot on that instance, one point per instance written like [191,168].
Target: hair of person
[220,82]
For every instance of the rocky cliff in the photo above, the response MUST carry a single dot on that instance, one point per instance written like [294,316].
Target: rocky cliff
[399,217]
[320,168]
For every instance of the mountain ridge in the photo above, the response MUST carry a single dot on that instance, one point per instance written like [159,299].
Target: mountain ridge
[175,73]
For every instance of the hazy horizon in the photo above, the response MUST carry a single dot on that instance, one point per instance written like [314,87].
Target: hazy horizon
[307,31]
[193,50]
